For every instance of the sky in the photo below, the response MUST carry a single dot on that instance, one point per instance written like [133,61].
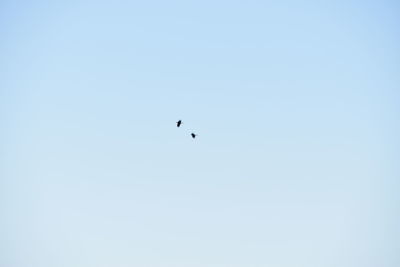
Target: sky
[296,107]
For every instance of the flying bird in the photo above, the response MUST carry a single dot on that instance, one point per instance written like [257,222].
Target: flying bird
[178,123]
[193,135]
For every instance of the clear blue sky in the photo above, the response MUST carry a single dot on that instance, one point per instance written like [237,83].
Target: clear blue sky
[296,104]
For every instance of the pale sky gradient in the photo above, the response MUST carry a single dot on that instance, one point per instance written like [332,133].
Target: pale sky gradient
[296,104]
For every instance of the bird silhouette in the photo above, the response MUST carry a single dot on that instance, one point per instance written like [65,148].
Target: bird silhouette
[193,135]
[178,123]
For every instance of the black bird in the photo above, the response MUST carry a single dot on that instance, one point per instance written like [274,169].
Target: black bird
[193,135]
[178,123]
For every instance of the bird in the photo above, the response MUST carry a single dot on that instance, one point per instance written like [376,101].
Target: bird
[178,123]
[193,135]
